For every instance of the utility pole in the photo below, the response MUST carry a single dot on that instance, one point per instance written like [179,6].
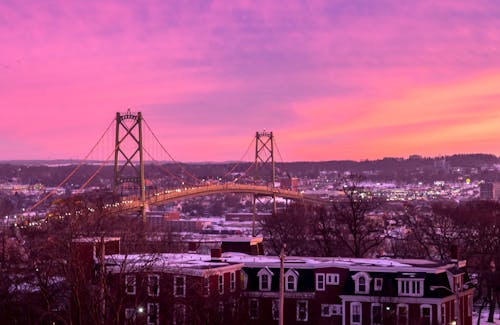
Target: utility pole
[282,286]
[102,281]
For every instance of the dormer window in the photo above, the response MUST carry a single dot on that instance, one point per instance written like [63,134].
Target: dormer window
[458,280]
[291,279]
[361,282]
[320,281]
[411,287]
[332,278]
[244,280]
[265,276]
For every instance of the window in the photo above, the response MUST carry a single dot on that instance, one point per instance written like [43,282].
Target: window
[402,314]
[129,315]
[264,282]
[302,312]
[232,281]
[179,286]
[276,309]
[265,279]
[325,310]
[291,278]
[253,308]
[356,315]
[130,284]
[458,282]
[378,284]
[234,307]
[221,284]
[328,310]
[244,280]
[221,311]
[153,314]
[332,278]
[206,286]
[336,310]
[320,281]
[361,282]
[153,285]
[179,314]
[411,287]
[425,314]
[376,314]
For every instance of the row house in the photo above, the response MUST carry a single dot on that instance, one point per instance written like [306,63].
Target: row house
[157,289]
[234,288]
[355,291]
[407,292]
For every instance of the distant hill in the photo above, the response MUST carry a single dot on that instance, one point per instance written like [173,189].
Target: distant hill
[415,168]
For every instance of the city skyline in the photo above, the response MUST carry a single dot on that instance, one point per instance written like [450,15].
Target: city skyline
[332,80]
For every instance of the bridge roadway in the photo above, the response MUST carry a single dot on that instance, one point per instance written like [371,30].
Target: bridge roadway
[185,193]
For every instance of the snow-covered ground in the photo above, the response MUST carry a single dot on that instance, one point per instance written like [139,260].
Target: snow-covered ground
[484,317]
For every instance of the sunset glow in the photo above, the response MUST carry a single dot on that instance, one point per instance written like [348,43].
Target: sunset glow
[332,79]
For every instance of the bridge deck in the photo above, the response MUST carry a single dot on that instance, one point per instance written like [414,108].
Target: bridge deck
[185,193]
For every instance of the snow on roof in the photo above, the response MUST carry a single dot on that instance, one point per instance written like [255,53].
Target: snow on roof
[242,239]
[94,239]
[190,264]
[353,264]
[201,265]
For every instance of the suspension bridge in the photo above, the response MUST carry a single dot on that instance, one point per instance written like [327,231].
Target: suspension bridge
[130,145]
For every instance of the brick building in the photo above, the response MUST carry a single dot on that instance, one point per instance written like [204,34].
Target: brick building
[173,289]
[355,291]
[233,288]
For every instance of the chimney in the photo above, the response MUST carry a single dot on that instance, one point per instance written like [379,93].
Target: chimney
[454,252]
[193,246]
[216,254]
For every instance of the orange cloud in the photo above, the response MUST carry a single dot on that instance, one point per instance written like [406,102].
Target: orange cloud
[463,116]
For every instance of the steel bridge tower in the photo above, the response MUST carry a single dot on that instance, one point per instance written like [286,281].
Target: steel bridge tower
[128,144]
[265,169]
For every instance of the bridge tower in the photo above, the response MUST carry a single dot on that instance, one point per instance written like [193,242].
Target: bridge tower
[129,151]
[265,169]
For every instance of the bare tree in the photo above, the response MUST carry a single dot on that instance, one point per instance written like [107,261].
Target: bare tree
[294,227]
[53,257]
[354,228]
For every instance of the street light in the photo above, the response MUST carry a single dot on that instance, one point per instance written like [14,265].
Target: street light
[458,320]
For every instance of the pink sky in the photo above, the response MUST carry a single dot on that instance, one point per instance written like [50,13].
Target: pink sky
[331,79]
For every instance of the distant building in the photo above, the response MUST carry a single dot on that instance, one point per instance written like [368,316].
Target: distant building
[489,191]
[289,183]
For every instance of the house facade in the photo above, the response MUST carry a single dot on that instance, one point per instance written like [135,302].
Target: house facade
[173,289]
[236,288]
[356,291]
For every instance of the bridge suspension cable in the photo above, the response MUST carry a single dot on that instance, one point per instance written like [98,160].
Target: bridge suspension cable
[197,180]
[101,166]
[240,160]
[66,179]
[281,158]
[161,166]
